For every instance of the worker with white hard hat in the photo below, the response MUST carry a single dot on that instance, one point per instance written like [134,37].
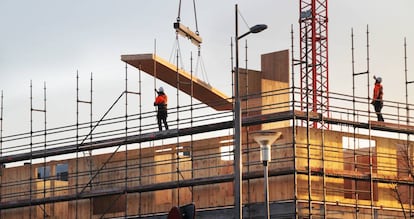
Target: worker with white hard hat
[377,98]
[161,102]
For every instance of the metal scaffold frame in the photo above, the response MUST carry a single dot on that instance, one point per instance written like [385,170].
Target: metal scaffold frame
[87,154]
[370,152]
[43,174]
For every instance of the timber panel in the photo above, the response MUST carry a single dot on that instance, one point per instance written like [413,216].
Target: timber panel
[167,72]
[159,164]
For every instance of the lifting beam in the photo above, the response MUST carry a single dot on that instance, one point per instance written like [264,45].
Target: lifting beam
[186,32]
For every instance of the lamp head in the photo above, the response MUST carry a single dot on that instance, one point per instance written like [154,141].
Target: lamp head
[265,139]
[258,28]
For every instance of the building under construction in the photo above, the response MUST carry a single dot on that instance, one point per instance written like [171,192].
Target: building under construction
[331,160]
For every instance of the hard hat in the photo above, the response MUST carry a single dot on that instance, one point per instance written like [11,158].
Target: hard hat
[161,89]
[378,79]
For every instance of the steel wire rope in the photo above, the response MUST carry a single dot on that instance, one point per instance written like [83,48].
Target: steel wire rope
[200,63]
[195,15]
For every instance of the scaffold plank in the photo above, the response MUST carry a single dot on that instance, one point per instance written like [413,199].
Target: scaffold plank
[167,72]
[388,125]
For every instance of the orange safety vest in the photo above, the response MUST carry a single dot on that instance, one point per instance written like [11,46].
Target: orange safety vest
[161,101]
[377,92]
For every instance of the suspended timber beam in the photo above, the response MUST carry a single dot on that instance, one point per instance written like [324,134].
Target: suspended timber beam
[167,72]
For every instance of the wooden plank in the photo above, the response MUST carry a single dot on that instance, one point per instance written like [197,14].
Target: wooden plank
[167,72]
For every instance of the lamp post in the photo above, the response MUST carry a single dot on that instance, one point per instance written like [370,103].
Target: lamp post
[265,139]
[237,121]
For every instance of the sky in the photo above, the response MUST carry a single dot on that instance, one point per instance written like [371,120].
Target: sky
[49,41]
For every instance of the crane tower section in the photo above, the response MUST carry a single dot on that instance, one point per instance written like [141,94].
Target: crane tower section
[313,23]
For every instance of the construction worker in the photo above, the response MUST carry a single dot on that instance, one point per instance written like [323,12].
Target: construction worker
[161,102]
[377,98]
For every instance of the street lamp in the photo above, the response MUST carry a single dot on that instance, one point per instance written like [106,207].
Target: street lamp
[237,121]
[265,139]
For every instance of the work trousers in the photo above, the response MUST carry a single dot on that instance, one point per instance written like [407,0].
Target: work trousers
[162,118]
[378,107]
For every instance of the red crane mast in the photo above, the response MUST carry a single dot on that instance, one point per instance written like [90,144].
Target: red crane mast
[313,23]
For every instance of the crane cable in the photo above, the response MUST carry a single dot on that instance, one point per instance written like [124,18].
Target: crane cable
[195,15]
[200,62]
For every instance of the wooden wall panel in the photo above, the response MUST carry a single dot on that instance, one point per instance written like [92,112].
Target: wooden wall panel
[275,66]
[208,163]
[281,188]
[249,82]
[275,100]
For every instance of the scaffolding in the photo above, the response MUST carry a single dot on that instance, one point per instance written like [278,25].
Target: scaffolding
[358,168]
[123,174]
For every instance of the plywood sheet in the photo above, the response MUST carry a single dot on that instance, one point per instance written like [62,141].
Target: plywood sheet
[167,72]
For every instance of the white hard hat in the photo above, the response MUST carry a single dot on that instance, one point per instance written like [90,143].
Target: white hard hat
[161,89]
[379,79]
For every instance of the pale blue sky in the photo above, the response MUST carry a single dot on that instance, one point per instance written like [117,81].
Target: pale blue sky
[49,40]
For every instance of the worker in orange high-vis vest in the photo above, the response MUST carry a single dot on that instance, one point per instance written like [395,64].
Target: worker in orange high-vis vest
[161,102]
[377,98]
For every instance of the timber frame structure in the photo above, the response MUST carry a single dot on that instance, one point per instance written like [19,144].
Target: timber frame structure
[358,168]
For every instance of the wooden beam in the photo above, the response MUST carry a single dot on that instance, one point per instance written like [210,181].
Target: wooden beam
[167,72]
